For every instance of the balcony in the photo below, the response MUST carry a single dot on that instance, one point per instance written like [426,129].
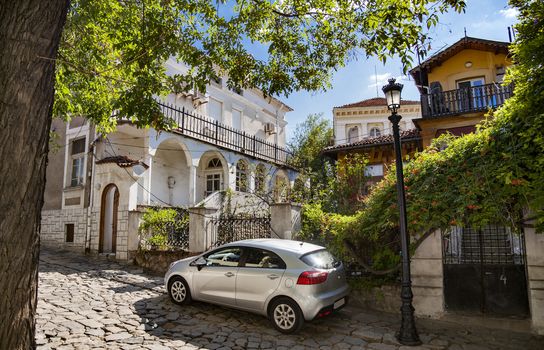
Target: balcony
[218,134]
[465,100]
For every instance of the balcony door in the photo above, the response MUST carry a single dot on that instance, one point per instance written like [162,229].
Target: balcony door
[471,94]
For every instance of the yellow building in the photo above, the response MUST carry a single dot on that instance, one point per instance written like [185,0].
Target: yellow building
[459,84]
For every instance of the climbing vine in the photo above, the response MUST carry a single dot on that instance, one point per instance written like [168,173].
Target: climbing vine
[495,176]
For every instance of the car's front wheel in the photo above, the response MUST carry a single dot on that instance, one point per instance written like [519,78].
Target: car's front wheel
[179,291]
[286,316]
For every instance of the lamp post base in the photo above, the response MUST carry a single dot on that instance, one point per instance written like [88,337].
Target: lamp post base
[407,334]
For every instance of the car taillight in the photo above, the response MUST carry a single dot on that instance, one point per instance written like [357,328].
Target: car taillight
[312,277]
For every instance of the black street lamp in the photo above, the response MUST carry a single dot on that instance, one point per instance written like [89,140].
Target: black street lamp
[408,332]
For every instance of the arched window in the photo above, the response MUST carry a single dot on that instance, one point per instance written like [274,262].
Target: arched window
[260,174]
[281,189]
[353,134]
[375,132]
[241,176]
[214,163]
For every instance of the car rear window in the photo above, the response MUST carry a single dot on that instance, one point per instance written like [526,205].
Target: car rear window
[320,259]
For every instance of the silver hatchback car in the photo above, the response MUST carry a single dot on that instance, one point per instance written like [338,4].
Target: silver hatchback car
[288,281]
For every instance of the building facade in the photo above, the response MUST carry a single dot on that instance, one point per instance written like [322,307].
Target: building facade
[459,85]
[364,127]
[97,184]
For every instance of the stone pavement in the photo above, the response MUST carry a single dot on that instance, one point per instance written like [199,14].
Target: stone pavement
[92,303]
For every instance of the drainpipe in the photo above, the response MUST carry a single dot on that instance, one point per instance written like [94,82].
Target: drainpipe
[90,198]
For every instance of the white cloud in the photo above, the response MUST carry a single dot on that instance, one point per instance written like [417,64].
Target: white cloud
[380,80]
[509,13]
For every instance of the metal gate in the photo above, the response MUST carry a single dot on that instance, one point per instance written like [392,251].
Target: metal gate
[484,271]
[235,228]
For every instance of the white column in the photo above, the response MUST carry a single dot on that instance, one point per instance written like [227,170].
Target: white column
[147,180]
[192,184]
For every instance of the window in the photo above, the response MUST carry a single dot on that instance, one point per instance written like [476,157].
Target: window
[281,189]
[214,163]
[259,258]
[321,259]
[374,170]
[214,179]
[241,176]
[375,132]
[224,257]
[213,183]
[215,110]
[69,230]
[353,134]
[78,162]
[260,179]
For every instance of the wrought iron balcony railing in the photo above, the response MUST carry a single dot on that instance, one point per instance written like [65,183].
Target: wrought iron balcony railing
[218,134]
[464,100]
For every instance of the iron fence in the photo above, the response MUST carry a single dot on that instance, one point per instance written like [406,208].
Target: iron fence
[176,232]
[490,245]
[221,135]
[234,228]
[465,100]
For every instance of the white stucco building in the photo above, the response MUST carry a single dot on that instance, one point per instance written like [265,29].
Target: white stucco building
[224,139]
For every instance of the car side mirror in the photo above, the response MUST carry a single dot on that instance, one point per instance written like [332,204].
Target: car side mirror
[200,263]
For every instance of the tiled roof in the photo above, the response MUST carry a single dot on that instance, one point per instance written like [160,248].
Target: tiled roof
[376,102]
[122,161]
[408,135]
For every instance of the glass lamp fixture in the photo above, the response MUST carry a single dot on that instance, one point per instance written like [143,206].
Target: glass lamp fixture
[392,93]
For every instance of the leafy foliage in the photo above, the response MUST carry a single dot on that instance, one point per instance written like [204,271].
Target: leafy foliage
[339,188]
[491,177]
[349,185]
[309,139]
[113,52]
[158,223]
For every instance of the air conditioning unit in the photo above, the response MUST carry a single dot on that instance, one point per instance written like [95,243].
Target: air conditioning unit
[270,128]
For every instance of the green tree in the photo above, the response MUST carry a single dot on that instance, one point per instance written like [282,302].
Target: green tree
[348,186]
[307,143]
[111,58]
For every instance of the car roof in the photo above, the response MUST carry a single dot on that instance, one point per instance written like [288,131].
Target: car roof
[284,245]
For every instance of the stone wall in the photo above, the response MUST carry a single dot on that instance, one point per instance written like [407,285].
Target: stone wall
[53,228]
[384,298]
[157,261]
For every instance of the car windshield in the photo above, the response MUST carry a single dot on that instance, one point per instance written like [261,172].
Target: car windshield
[320,259]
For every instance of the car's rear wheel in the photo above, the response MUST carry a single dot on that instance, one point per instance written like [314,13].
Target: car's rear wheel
[286,316]
[179,291]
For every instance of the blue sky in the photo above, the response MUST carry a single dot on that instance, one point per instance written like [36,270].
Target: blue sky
[487,19]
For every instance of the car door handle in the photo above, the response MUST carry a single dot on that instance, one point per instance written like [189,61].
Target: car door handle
[229,274]
[273,276]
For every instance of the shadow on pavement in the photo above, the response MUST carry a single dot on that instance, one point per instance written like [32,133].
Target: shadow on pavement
[206,325]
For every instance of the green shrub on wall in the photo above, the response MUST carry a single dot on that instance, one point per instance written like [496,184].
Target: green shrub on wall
[156,225]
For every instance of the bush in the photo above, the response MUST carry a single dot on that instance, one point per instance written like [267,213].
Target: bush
[157,224]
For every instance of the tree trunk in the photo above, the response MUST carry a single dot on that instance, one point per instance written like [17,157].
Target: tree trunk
[29,37]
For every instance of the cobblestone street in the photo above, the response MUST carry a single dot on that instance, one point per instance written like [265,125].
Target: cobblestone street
[91,303]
